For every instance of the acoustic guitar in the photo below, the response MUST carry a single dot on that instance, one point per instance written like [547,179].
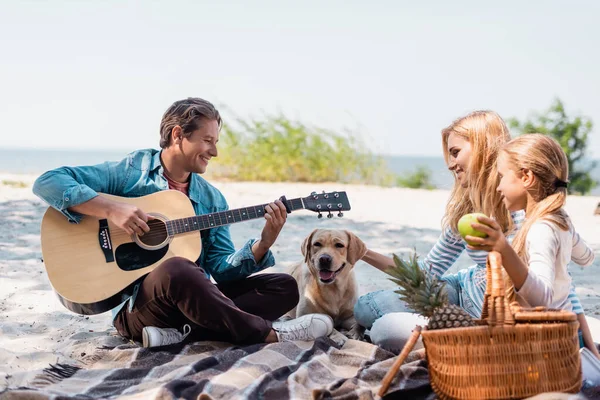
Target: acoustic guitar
[94,265]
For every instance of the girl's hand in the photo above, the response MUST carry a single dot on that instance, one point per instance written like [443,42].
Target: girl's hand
[495,240]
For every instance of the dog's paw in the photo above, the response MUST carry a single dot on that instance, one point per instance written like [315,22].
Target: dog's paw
[357,332]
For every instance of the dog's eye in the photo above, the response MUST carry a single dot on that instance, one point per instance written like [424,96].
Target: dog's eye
[317,244]
[339,245]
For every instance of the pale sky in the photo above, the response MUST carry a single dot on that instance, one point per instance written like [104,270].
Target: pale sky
[100,74]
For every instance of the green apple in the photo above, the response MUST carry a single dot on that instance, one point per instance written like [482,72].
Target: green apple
[465,229]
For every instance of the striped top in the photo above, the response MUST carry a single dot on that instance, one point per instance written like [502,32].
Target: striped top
[473,279]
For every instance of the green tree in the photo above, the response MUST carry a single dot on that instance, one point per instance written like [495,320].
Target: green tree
[572,134]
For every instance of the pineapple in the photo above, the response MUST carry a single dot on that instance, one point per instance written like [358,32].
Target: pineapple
[425,295]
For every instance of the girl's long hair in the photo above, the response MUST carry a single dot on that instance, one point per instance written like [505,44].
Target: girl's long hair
[543,156]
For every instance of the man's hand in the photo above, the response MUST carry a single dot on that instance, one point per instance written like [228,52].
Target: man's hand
[276,215]
[495,240]
[129,218]
[126,216]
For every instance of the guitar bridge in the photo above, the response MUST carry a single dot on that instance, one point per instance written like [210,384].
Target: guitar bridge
[105,242]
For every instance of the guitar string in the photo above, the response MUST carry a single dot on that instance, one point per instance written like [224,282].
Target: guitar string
[161,230]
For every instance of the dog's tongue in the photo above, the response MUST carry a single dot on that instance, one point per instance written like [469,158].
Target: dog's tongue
[326,275]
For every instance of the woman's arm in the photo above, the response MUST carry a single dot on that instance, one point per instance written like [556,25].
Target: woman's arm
[378,260]
[575,303]
[444,253]
[588,341]
[439,259]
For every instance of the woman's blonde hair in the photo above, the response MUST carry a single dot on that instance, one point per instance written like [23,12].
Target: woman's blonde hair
[543,156]
[487,133]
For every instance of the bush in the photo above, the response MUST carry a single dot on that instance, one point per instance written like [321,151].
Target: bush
[14,184]
[277,149]
[420,179]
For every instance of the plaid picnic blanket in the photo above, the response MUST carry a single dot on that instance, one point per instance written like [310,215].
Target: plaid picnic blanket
[329,368]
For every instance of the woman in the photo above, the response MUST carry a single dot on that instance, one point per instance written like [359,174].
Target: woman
[471,145]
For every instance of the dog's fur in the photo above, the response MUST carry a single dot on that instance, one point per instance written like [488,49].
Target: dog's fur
[329,250]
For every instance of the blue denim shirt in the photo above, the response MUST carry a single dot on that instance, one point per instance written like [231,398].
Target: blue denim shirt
[139,174]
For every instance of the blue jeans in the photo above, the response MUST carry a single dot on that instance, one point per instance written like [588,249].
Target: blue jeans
[375,305]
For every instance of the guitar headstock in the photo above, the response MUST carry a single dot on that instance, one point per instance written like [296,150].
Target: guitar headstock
[327,203]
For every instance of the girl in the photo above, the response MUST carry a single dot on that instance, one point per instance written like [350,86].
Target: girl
[533,171]
[471,146]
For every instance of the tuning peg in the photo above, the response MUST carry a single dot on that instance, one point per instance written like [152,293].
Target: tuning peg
[336,194]
[330,215]
[340,214]
[319,214]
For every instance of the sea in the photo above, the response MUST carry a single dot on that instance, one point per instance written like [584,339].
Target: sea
[36,161]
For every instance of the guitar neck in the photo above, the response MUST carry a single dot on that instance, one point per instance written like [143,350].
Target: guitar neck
[208,221]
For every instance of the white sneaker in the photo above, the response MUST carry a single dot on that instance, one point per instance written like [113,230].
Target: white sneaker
[305,328]
[154,337]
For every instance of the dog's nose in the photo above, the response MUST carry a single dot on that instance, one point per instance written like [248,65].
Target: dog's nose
[325,260]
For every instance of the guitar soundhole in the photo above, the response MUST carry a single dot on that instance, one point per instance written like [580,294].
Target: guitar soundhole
[130,256]
[157,235]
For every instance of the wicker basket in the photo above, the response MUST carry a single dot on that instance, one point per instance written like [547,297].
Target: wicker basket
[514,353]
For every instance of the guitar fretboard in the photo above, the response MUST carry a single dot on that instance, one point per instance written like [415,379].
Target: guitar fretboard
[207,221]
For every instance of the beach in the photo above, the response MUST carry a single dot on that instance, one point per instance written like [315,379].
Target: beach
[36,330]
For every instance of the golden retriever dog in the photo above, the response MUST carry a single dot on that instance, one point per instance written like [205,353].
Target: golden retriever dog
[326,277]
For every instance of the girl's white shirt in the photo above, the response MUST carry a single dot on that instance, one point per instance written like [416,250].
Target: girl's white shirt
[549,250]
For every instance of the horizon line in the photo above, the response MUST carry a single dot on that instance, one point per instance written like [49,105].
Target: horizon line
[126,151]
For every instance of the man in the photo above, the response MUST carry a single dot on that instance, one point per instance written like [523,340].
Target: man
[179,293]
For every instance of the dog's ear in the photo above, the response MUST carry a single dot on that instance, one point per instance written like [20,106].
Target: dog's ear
[356,248]
[306,245]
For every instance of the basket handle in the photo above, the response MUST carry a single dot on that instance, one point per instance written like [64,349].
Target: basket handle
[496,308]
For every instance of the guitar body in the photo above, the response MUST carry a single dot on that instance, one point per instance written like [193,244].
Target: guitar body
[94,265]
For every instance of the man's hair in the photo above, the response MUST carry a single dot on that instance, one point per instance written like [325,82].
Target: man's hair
[189,115]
